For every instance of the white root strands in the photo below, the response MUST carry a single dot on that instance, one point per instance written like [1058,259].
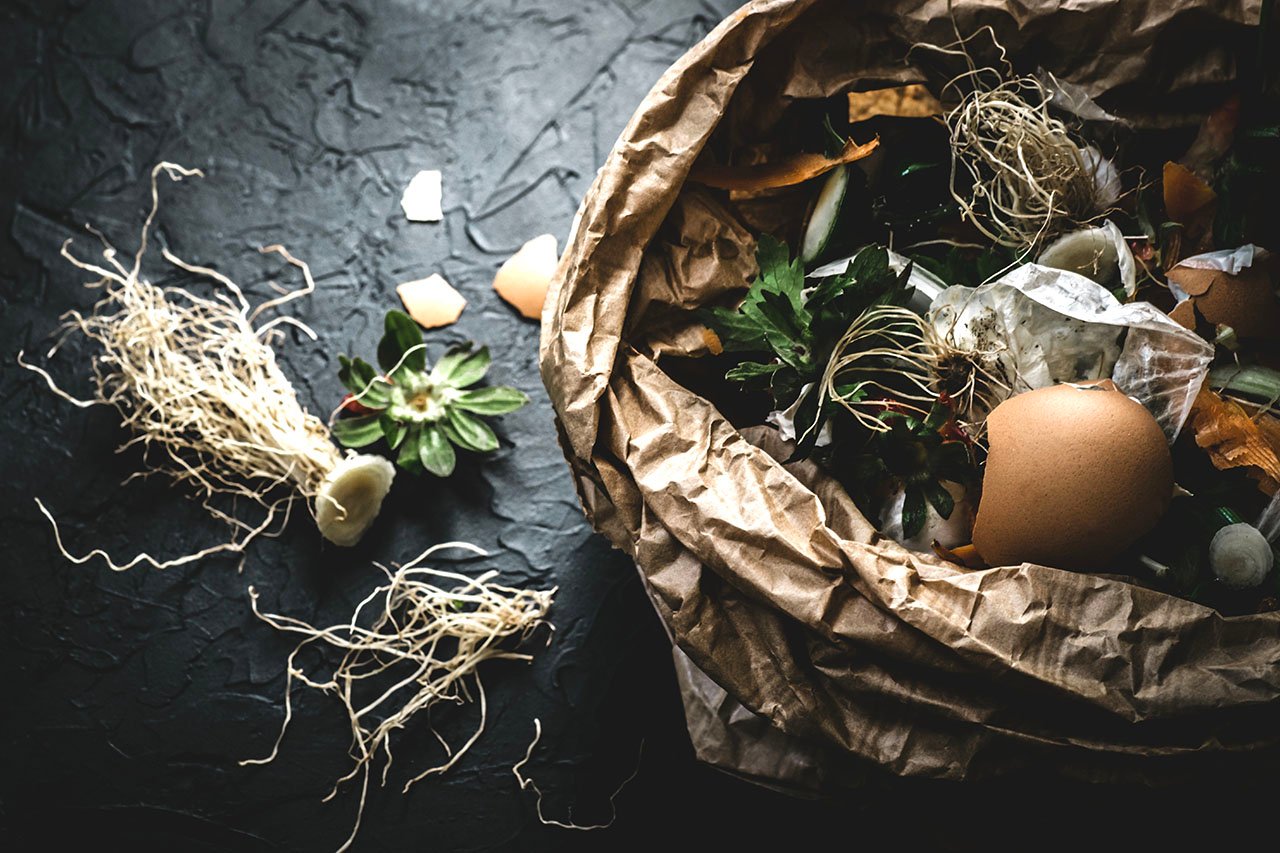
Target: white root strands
[925,362]
[527,783]
[1031,177]
[884,340]
[1028,173]
[198,384]
[414,642]
[973,375]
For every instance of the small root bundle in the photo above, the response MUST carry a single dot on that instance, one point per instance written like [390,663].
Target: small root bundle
[527,783]
[972,374]
[423,647]
[198,384]
[881,357]
[1019,175]
[1030,178]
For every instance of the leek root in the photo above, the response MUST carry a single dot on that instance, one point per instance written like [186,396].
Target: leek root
[196,380]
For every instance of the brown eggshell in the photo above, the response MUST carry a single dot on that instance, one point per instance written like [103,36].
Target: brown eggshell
[524,278]
[1075,475]
[1246,302]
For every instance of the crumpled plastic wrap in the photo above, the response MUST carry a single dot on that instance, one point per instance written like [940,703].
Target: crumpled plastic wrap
[810,645]
[1056,326]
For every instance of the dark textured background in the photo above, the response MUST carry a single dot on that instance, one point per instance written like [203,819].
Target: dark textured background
[127,699]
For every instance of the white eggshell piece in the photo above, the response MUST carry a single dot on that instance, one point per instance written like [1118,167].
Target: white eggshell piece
[422,198]
[431,301]
[523,280]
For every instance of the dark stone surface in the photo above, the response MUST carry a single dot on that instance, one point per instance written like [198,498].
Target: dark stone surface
[127,699]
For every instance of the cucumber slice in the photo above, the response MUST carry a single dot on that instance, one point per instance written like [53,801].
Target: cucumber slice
[825,216]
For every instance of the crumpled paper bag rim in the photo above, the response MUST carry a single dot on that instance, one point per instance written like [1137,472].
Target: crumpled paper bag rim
[1138,658]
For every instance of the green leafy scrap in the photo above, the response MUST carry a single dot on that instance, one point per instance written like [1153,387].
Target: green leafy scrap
[789,330]
[424,413]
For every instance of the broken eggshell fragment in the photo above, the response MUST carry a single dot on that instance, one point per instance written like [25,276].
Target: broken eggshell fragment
[1235,289]
[1076,474]
[432,302]
[524,278]
[422,198]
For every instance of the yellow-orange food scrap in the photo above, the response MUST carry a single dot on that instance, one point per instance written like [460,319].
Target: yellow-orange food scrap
[911,101]
[786,172]
[1186,196]
[1233,439]
[712,341]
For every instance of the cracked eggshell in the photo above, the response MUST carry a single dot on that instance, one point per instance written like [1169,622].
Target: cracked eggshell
[524,278]
[432,302]
[1075,475]
[422,199]
[1246,301]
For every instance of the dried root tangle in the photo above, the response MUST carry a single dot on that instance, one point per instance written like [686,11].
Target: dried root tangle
[413,643]
[196,381]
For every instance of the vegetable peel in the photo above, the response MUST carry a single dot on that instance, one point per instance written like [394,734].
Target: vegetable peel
[786,172]
[1232,439]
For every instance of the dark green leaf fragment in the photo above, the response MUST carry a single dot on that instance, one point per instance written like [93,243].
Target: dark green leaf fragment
[357,432]
[913,511]
[402,335]
[357,375]
[410,450]
[469,432]
[393,430]
[939,497]
[461,366]
[750,371]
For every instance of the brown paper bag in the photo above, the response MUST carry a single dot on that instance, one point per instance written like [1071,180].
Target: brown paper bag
[808,647]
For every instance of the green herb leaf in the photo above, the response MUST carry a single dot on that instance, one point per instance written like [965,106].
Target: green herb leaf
[737,332]
[394,430]
[913,512]
[410,455]
[779,273]
[461,366]
[401,336]
[491,401]
[469,432]
[750,371]
[357,375]
[436,453]
[357,432]
[939,497]
[344,374]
